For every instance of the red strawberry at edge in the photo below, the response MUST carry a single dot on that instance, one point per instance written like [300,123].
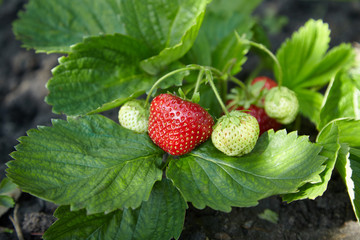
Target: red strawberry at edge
[269,83]
[265,122]
[178,126]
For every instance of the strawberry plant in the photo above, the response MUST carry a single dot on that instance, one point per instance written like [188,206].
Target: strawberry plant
[115,181]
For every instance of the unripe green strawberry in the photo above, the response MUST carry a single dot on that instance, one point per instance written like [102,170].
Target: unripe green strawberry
[282,104]
[236,134]
[134,116]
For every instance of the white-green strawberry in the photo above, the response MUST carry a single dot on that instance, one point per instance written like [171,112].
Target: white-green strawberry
[282,104]
[236,134]
[134,116]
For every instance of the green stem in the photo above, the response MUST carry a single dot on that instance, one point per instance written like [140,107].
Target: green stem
[238,82]
[164,77]
[274,58]
[224,88]
[209,77]
[217,71]
[200,76]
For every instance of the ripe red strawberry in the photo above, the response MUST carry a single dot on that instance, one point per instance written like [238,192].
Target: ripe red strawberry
[254,103]
[178,126]
[268,82]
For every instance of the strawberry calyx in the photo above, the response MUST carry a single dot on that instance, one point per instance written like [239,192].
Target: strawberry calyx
[253,94]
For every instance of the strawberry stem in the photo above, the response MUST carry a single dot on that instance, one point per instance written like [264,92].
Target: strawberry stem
[274,58]
[238,82]
[268,52]
[209,77]
[190,67]
[196,90]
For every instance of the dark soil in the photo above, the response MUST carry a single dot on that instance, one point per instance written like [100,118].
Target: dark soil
[23,75]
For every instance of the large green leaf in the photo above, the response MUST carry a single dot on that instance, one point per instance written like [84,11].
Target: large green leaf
[337,58]
[342,100]
[329,140]
[348,162]
[99,72]
[280,163]
[89,162]
[217,44]
[305,49]
[50,26]
[159,218]
[53,26]
[306,63]
[304,60]
[181,33]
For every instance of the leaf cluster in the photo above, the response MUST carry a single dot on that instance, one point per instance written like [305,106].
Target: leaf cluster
[112,183]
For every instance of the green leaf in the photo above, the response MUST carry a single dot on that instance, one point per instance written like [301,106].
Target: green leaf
[280,163]
[159,218]
[7,186]
[298,55]
[342,100]
[174,80]
[88,162]
[217,37]
[310,103]
[348,162]
[231,52]
[354,74]
[337,58]
[304,58]
[200,53]
[53,26]
[270,216]
[328,139]
[209,101]
[99,72]
[176,49]
[169,28]
[6,201]
[227,8]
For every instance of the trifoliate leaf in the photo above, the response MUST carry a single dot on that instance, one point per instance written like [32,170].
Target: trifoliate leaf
[217,44]
[159,218]
[328,138]
[280,163]
[306,63]
[178,33]
[89,162]
[100,73]
[304,50]
[342,100]
[53,26]
[337,58]
[348,162]
[304,58]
